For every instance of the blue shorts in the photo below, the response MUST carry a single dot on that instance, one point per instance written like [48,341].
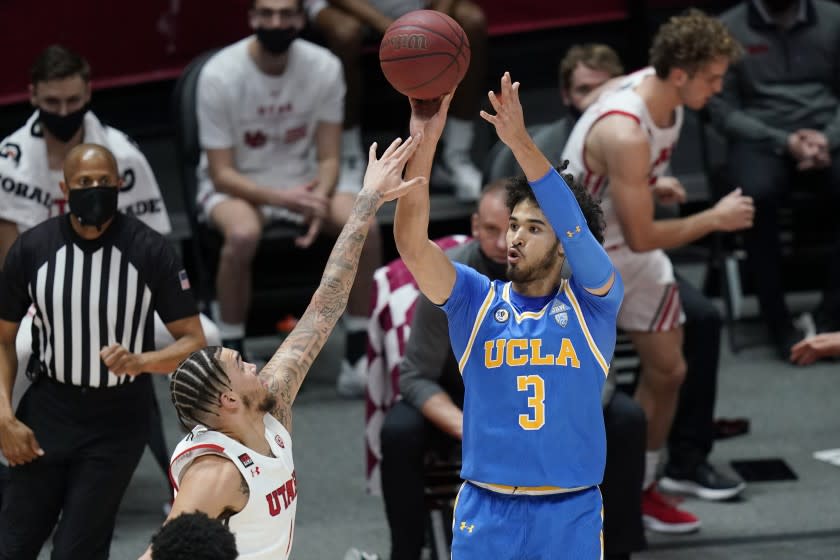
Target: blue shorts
[489,524]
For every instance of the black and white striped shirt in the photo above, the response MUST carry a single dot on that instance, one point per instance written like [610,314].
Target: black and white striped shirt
[88,294]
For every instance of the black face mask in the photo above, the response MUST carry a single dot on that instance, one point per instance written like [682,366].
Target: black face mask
[779,6]
[276,40]
[63,127]
[93,206]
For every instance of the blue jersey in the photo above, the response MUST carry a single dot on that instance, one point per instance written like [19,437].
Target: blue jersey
[533,370]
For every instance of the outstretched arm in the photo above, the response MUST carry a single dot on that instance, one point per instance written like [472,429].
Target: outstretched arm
[430,267]
[589,262]
[284,373]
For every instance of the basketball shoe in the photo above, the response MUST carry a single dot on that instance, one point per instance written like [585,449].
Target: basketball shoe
[663,516]
[702,481]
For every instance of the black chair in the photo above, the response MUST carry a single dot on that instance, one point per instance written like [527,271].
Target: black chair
[442,476]
[284,277]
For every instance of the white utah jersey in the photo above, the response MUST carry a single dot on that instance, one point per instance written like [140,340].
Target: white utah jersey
[268,121]
[623,101]
[265,527]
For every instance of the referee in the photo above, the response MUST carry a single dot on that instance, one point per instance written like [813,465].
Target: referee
[95,277]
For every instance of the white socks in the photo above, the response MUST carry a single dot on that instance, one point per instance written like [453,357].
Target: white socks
[351,142]
[227,331]
[458,136]
[354,323]
[651,465]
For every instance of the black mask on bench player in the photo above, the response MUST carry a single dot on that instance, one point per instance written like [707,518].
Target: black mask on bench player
[276,40]
[93,206]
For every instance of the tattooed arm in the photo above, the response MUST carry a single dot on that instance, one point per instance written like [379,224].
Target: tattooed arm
[285,372]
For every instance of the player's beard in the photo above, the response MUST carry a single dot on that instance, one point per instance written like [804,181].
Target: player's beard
[524,275]
[267,404]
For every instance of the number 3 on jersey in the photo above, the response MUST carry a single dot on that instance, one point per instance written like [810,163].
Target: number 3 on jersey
[535,419]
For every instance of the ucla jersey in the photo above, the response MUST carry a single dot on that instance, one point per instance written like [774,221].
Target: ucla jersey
[533,370]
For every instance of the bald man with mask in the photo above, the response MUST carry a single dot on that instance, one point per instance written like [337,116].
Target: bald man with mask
[96,278]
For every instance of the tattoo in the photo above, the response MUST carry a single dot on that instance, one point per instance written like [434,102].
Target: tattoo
[290,363]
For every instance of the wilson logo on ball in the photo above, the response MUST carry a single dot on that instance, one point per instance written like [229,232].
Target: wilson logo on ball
[412,41]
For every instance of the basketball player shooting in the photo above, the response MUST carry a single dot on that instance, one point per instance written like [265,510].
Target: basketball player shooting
[534,353]
[236,464]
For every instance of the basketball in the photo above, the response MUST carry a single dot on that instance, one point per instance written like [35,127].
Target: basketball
[424,54]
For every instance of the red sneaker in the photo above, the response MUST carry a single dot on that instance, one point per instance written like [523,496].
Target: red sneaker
[661,515]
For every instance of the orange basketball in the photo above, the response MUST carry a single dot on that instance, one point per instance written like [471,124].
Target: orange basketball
[424,54]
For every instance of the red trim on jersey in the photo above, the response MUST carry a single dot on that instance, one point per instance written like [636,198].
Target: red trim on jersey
[666,321]
[589,172]
[212,446]
[291,535]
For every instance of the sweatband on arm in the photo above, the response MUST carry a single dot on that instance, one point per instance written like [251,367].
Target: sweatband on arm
[587,258]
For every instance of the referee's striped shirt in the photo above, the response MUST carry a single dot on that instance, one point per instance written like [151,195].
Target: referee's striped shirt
[89,294]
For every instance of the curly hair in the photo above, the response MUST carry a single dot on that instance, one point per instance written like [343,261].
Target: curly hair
[518,190]
[690,40]
[194,536]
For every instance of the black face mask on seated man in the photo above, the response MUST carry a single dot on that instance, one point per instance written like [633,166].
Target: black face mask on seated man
[63,127]
[779,6]
[276,40]
[93,206]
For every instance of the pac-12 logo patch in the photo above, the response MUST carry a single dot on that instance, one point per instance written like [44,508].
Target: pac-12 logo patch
[501,315]
[245,459]
[560,312]
[279,441]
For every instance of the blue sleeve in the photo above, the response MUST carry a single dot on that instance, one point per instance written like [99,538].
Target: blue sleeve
[464,303]
[589,261]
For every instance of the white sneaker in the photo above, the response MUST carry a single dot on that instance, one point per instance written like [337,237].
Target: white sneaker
[352,379]
[351,173]
[464,176]
[356,554]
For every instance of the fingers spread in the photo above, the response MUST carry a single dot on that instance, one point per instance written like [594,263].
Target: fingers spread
[393,147]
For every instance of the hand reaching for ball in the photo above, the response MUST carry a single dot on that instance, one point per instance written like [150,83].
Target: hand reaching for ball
[428,117]
[508,120]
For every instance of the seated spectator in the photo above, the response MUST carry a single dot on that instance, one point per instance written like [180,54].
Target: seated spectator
[584,73]
[429,417]
[780,112]
[194,536]
[345,25]
[270,109]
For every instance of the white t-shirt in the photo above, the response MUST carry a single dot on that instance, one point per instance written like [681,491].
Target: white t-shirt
[624,101]
[269,121]
[264,529]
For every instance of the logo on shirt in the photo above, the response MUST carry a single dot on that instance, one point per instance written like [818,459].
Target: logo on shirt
[560,312]
[282,497]
[501,315]
[279,441]
[256,139]
[295,134]
[11,151]
[255,472]
[184,280]
[246,461]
